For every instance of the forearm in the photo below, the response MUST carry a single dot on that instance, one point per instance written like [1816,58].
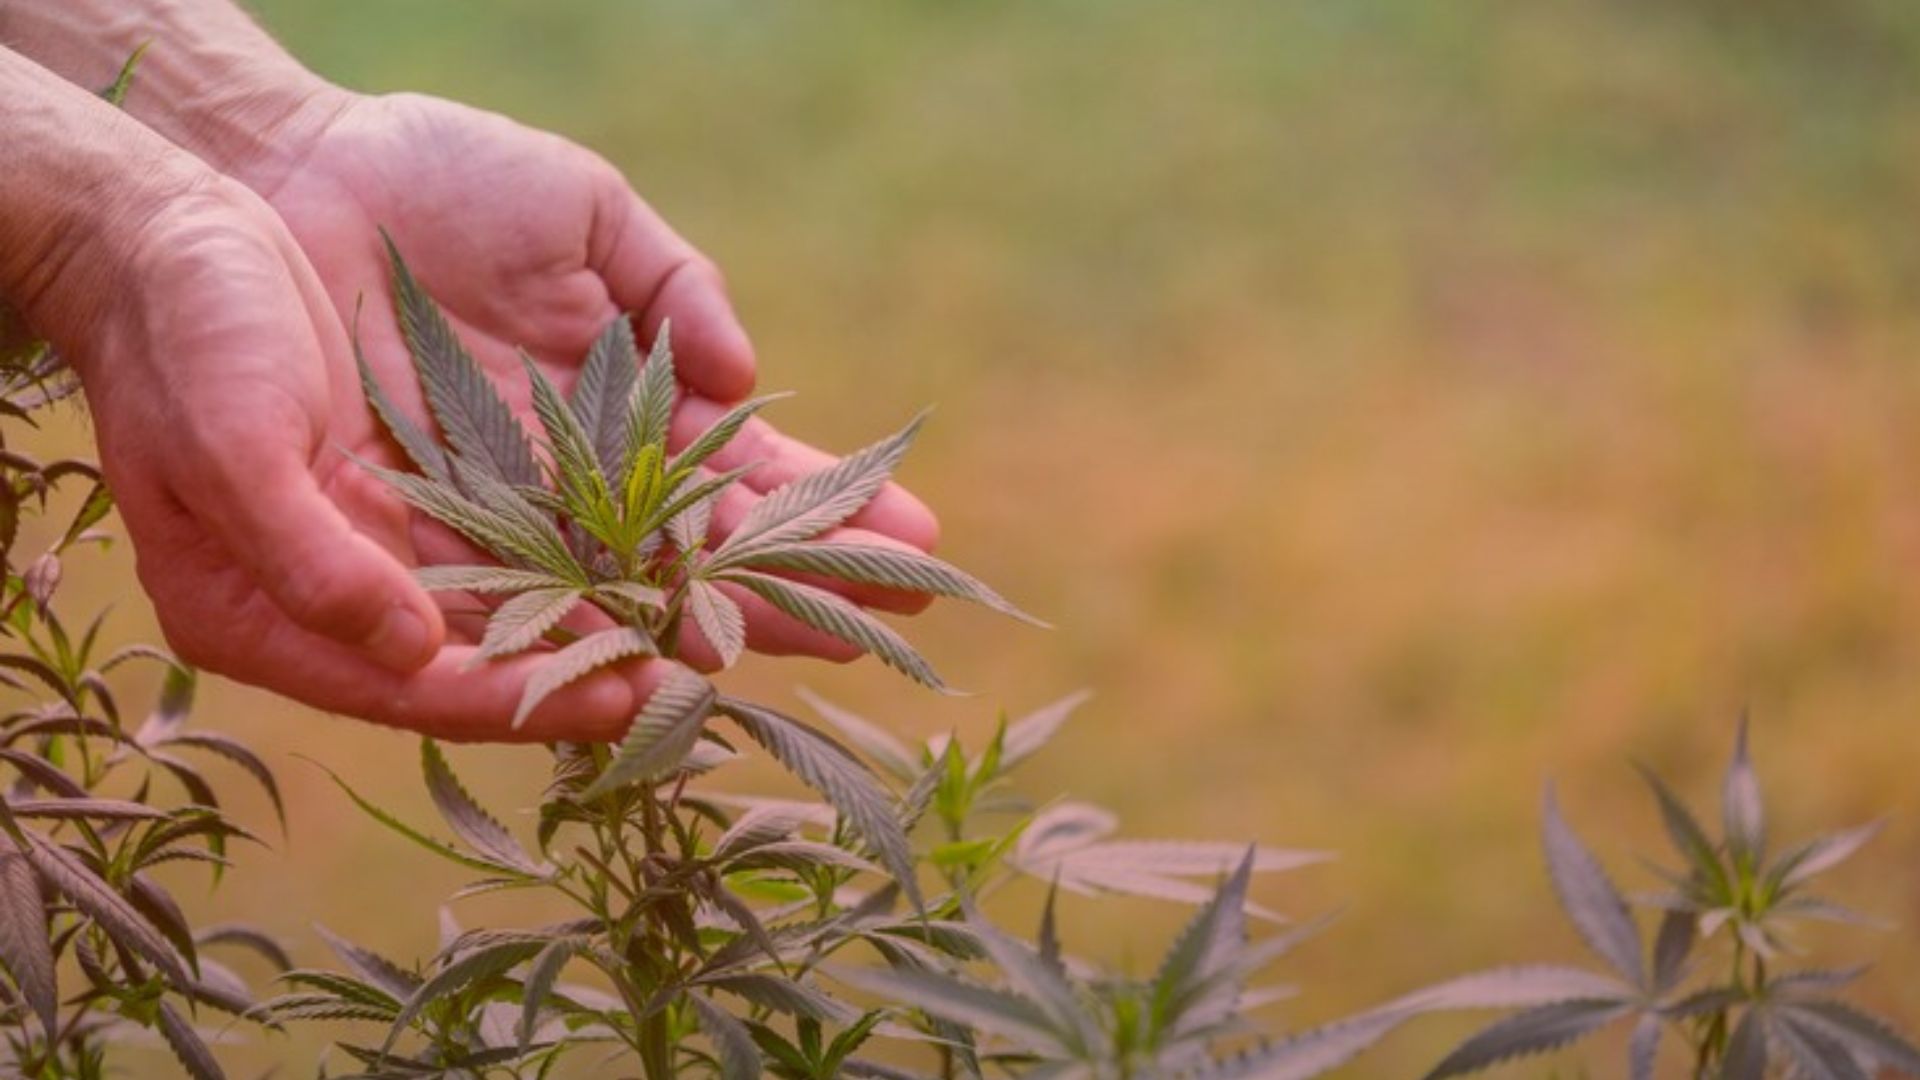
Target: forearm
[212,81]
[78,183]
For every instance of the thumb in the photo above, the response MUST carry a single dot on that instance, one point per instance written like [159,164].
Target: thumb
[307,557]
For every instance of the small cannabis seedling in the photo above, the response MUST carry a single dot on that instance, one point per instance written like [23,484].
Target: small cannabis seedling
[1718,974]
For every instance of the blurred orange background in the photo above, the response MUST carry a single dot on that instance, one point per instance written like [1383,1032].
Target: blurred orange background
[1394,406]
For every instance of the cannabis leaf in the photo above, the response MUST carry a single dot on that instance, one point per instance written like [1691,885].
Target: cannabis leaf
[662,734]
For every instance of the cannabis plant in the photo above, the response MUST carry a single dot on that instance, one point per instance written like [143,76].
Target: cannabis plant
[95,812]
[1721,973]
[705,918]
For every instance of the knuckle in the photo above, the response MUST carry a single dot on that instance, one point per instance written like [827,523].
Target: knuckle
[325,602]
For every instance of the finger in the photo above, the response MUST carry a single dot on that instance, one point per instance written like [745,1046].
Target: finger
[778,458]
[650,271]
[298,548]
[217,619]
[447,699]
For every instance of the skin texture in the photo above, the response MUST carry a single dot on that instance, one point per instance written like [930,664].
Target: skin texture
[208,317]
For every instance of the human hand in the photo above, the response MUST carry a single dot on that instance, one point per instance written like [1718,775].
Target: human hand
[222,390]
[530,241]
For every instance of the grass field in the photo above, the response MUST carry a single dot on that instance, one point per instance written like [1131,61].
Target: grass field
[1393,404]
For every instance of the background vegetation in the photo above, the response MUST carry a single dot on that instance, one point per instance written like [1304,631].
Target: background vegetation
[1393,403]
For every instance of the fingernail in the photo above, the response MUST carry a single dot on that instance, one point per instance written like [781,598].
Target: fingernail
[401,640]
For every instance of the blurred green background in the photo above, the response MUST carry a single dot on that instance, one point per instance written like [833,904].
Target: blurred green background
[1394,405]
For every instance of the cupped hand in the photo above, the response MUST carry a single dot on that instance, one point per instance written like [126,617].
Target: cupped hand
[530,241]
[223,390]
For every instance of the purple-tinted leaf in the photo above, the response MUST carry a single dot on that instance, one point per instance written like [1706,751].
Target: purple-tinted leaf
[1643,1049]
[1820,855]
[739,1057]
[1863,1034]
[1310,1053]
[835,773]
[1746,1057]
[187,1046]
[1590,900]
[24,946]
[466,817]
[1515,987]
[1535,1031]
[1740,804]
[662,734]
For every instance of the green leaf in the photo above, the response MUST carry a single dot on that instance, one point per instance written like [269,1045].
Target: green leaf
[25,948]
[575,461]
[579,659]
[475,966]
[438,847]
[1535,1031]
[739,1057]
[662,734]
[98,504]
[1741,805]
[466,817]
[805,507]
[115,92]
[893,568]
[651,411]
[471,414]
[850,1040]
[1689,839]
[832,614]
[523,620]
[847,784]
[602,394]
[1590,900]
[719,619]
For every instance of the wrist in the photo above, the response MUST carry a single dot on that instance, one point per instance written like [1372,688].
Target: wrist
[80,184]
[210,80]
